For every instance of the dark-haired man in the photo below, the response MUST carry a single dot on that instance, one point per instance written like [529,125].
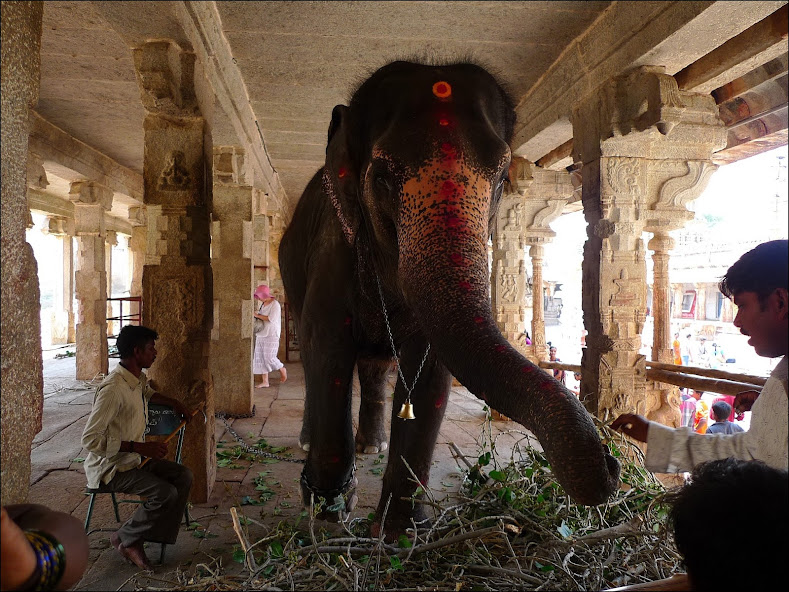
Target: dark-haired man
[757,283]
[721,411]
[114,437]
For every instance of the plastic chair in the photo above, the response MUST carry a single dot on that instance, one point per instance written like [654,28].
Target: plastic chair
[162,421]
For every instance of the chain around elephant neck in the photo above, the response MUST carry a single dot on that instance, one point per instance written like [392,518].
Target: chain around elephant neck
[394,349]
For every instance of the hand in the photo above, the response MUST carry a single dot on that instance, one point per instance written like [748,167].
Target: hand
[18,557]
[744,401]
[632,425]
[152,449]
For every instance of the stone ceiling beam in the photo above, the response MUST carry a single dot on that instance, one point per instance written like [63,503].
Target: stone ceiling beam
[763,74]
[758,44]
[203,27]
[51,204]
[626,35]
[56,146]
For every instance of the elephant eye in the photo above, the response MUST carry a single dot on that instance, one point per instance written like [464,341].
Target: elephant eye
[382,181]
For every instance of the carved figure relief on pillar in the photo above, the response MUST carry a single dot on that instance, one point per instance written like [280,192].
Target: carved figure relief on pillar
[175,176]
[509,287]
[514,218]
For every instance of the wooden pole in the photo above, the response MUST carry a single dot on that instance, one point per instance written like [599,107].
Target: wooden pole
[749,378]
[724,387]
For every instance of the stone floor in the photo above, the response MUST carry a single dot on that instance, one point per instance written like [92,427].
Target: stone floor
[58,479]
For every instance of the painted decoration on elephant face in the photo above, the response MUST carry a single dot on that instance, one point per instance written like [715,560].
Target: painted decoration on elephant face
[442,90]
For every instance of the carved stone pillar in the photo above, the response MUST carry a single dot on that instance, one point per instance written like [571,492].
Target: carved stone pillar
[231,258]
[661,244]
[138,244]
[90,201]
[509,281]
[636,138]
[177,285]
[20,328]
[62,322]
[536,252]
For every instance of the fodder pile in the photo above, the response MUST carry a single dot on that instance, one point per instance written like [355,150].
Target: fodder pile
[511,526]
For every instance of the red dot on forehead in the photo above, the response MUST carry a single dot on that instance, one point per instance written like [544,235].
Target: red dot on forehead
[342,172]
[442,89]
[443,122]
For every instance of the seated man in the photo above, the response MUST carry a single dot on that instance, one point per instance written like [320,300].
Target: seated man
[757,283]
[722,425]
[115,439]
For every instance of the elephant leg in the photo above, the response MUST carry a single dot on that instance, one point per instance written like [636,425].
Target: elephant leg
[304,435]
[412,440]
[328,472]
[371,434]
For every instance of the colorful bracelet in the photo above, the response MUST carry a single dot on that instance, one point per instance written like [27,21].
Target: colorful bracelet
[50,561]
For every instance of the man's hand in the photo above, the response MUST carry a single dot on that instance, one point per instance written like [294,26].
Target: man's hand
[632,425]
[744,401]
[152,449]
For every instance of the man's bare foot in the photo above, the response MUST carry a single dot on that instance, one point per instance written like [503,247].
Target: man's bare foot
[283,374]
[262,385]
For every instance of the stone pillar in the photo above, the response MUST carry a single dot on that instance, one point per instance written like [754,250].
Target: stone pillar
[260,244]
[63,316]
[509,281]
[177,285]
[138,243]
[536,252]
[20,329]
[110,241]
[661,244]
[640,142]
[231,259]
[90,201]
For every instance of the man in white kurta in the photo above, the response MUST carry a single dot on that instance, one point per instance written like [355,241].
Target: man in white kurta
[757,283]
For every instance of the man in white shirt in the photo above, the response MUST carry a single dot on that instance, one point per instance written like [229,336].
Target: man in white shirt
[757,283]
[114,437]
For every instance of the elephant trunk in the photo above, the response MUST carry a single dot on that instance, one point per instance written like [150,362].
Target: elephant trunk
[444,274]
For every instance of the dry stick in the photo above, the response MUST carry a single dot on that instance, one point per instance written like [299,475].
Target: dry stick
[249,558]
[460,455]
[474,534]
[630,528]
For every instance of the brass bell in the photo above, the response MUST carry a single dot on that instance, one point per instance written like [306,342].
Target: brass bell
[407,411]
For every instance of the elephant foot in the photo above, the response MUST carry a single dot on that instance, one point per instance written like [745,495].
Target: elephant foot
[371,445]
[336,504]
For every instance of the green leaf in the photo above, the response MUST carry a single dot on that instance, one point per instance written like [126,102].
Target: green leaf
[377,471]
[371,516]
[395,563]
[285,504]
[276,549]
[404,542]
[248,501]
[270,461]
[498,475]
[79,459]
[238,555]
[338,504]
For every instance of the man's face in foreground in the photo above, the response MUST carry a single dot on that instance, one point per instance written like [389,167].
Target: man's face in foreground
[767,323]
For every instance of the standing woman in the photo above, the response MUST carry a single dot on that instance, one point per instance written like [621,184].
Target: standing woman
[267,331]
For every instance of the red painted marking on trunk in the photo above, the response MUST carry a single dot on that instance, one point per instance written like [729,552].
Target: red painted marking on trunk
[342,172]
[452,221]
[464,285]
[347,321]
[546,385]
[443,121]
[337,382]
[501,348]
[527,369]
[479,320]
[456,258]
[449,189]
[334,459]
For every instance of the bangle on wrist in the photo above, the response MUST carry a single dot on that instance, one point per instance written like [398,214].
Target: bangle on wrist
[50,561]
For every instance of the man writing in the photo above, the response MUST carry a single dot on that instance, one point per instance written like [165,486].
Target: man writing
[757,283]
[115,439]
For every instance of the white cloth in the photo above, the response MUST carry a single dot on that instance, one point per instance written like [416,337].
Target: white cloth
[679,450]
[273,327]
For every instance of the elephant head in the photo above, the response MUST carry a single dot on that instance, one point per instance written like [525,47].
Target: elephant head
[414,170]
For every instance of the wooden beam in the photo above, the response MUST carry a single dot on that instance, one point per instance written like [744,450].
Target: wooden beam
[756,45]
[556,155]
[763,74]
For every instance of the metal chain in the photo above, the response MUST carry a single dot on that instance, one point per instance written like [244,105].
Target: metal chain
[394,350]
[250,449]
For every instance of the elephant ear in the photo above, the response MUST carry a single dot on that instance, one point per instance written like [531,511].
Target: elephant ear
[341,174]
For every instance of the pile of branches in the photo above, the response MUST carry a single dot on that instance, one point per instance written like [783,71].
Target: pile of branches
[510,526]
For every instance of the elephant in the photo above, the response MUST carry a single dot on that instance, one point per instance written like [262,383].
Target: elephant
[386,255]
